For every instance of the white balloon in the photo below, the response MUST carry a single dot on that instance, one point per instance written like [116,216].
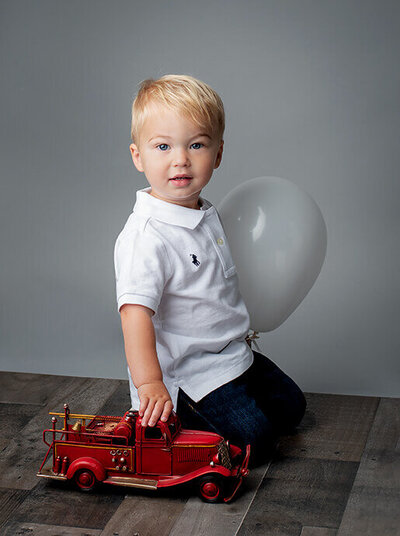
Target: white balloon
[277,237]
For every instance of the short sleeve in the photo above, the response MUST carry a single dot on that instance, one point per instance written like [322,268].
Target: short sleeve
[141,268]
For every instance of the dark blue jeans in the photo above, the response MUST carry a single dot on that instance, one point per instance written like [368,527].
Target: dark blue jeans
[254,408]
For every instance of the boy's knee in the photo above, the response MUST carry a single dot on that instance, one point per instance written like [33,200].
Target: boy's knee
[262,443]
[260,434]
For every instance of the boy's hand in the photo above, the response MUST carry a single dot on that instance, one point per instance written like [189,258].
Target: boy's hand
[154,402]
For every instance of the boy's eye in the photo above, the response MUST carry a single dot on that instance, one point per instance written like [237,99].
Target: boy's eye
[165,146]
[162,146]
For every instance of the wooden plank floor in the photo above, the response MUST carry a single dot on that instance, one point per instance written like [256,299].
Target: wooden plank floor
[339,475]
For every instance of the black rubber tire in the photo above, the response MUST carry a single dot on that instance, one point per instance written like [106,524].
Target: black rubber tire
[211,488]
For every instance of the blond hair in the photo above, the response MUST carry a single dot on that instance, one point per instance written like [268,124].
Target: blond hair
[184,94]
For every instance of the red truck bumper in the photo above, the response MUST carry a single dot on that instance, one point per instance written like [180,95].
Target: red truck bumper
[241,473]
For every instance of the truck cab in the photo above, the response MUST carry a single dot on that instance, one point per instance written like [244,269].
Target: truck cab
[154,447]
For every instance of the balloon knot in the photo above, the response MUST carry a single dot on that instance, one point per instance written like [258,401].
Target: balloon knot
[251,337]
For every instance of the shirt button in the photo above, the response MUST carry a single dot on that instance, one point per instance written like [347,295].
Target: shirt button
[220,241]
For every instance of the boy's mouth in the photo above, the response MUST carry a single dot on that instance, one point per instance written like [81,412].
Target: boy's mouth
[180,177]
[181,180]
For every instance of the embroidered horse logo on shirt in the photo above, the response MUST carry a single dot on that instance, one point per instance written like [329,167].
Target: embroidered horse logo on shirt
[195,261]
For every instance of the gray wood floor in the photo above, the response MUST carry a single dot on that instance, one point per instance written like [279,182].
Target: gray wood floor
[338,475]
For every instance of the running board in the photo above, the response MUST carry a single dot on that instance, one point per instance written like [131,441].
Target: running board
[46,472]
[131,482]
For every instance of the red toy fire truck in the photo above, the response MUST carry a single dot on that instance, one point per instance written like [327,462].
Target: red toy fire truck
[115,450]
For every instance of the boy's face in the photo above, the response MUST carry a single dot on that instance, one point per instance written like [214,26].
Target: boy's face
[172,146]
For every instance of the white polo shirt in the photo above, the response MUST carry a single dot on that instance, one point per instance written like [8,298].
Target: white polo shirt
[176,261]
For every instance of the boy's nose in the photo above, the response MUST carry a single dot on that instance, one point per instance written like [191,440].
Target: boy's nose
[181,158]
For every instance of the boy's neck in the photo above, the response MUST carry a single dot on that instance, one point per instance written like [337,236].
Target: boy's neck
[193,204]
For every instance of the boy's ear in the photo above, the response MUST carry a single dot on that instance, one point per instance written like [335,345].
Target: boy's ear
[136,157]
[219,155]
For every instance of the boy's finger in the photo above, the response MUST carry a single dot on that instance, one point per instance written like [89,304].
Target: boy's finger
[143,405]
[156,413]
[147,413]
[167,410]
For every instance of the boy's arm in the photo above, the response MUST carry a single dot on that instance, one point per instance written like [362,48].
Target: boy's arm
[141,355]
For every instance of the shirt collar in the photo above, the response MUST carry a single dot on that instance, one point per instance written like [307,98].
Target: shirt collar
[148,205]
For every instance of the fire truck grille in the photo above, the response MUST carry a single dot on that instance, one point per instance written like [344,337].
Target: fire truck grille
[224,455]
[193,454]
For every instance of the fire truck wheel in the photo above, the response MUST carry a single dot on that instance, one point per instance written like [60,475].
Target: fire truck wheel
[211,488]
[85,479]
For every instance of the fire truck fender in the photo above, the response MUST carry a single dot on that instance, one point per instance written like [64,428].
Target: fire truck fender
[87,463]
[207,470]
[219,470]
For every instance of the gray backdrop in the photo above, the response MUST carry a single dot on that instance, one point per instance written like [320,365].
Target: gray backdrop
[311,90]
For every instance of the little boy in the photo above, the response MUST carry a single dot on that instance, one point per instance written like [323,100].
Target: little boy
[183,319]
